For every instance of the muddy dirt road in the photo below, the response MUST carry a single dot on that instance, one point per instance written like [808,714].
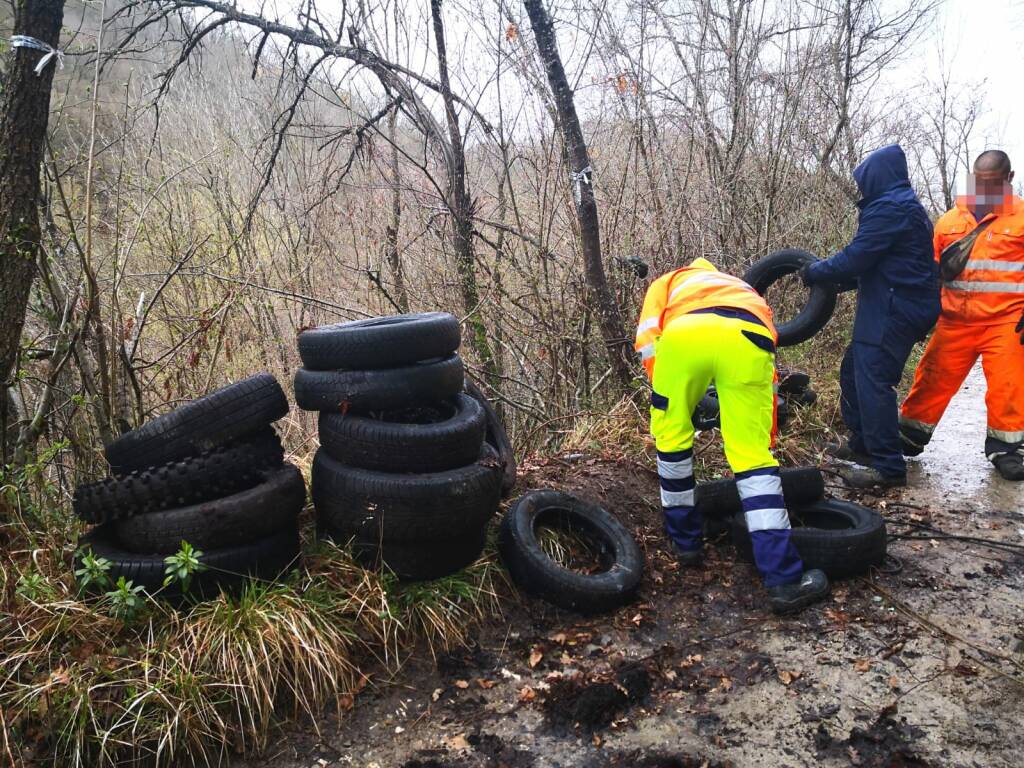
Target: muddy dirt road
[916,668]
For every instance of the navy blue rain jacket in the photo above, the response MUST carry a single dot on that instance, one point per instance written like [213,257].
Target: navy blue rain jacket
[891,255]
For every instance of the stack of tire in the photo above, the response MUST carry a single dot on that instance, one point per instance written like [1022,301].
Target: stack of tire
[405,473]
[839,537]
[210,473]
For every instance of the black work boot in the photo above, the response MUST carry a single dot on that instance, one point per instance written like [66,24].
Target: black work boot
[845,452]
[1010,466]
[869,477]
[786,598]
[690,558]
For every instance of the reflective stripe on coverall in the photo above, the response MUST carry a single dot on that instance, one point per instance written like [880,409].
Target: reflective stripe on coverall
[980,310]
[693,350]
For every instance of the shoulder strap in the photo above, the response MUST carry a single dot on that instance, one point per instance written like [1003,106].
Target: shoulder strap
[954,256]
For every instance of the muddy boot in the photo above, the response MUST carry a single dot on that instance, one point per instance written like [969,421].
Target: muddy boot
[690,558]
[1010,466]
[869,477]
[786,598]
[845,452]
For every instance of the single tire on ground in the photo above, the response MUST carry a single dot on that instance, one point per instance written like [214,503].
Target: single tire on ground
[540,576]
[416,508]
[498,439]
[721,498]
[802,399]
[380,342]
[840,537]
[412,561]
[378,390]
[228,569]
[820,304]
[793,382]
[243,517]
[227,414]
[218,472]
[429,438]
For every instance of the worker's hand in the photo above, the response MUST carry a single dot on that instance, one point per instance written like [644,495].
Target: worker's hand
[805,275]
[1020,328]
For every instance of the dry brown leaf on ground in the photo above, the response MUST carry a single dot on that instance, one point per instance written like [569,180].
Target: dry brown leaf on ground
[456,742]
[486,684]
[787,676]
[527,694]
[862,665]
[462,684]
[535,656]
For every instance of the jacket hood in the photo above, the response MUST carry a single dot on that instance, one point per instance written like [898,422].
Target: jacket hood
[702,263]
[882,171]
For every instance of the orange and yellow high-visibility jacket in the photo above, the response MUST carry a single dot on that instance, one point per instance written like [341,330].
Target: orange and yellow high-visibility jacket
[696,286]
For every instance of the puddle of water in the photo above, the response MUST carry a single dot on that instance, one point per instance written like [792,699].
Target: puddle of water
[953,468]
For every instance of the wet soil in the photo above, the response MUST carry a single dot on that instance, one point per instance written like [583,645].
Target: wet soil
[920,665]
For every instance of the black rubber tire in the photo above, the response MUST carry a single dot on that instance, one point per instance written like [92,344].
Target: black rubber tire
[228,569]
[454,440]
[380,342]
[243,517]
[802,399]
[207,422]
[498,439]
[782,412]
[840,537]
[793,382]
[707,414]
[820,304]
[386,389]
[414,561]
[210,475]
[800,486]
[539,575]
[425,508]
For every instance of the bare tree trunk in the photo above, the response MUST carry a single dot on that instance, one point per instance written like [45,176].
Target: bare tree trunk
[608,312]
[461,207]
[391,230]
[24,114]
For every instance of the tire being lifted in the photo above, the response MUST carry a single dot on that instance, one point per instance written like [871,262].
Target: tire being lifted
[386,389]
[539,575]
[380,342]
[224,415]
[840,537]
[427,439]
[819,307]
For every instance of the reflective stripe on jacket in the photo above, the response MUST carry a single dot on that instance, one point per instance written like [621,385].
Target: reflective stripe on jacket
[990,290]
[694,287]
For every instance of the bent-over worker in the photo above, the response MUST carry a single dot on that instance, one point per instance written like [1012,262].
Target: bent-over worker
[699,326]
[982,315]
[890,257]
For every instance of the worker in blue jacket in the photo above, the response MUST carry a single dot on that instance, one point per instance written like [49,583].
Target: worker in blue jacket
[892,261]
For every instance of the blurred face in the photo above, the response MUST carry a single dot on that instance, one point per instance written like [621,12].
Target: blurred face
[990,189]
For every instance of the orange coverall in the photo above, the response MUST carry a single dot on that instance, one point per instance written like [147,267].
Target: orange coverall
[980,310]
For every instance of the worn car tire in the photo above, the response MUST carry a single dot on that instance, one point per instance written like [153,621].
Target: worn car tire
[218,472]
[240,518]
[802,399]
[498,439]
[380,342]
[385,389]
[412,561]
[707,414]
[221,416]
[721,498]
[427,439]
[792,382]
[426,508]
[228,569]
[840,537]
[820,304]
[539,575]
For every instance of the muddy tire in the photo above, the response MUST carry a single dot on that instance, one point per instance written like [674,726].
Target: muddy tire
[380,342]
[498,439]
[448,435]
[210,475]
[229,413]
[415,562]
[228,569]
[540,576]
[427,509]
[820,304]
[840,537]
[386,389]
[241,518]
[800,486]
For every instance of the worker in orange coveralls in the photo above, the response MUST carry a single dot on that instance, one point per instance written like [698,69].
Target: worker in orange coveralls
[982,315]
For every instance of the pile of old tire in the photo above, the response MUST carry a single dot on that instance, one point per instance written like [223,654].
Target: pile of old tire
[611,585]
[794,391]
[821,302]
[210,473]
[404,473]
